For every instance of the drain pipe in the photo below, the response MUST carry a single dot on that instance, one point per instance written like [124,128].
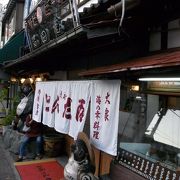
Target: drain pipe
[118,8]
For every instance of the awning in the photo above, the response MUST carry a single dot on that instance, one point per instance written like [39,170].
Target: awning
[162,60]
[12,49]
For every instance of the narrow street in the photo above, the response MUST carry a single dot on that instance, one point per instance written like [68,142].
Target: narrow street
[7,168]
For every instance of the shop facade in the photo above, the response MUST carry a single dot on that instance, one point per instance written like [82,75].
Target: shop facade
[148,120]
[102,49]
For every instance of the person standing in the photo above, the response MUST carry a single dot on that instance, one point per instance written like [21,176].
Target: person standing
[27,99]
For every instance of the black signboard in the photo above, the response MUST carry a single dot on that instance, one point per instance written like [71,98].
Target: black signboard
[46,22]
[144,167]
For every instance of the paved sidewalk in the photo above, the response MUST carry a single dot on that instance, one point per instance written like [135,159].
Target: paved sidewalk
[7,168]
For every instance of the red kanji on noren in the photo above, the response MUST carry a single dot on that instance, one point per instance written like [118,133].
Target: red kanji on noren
[80,110]
[96,125]
[38,97]
[47,98]
[67,109]
[55,105]
[97,114]
[98,107]
[98,100]
[107,98]
[106,116]
[96,134]
[37,110]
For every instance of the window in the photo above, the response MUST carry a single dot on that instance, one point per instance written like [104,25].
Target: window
[149,126]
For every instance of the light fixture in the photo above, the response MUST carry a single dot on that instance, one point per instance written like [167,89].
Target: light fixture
[160,79]
[138,98]
[31,80]
[38,79]
[13,79]
[22,80]
[134,88]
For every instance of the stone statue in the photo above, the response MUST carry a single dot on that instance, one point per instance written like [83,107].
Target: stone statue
[81,164]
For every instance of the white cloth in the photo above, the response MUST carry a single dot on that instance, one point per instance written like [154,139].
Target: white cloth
[104,115]
[64,105]
[80,95]
[62,118]
[49,97]
[61,100]
[38,102]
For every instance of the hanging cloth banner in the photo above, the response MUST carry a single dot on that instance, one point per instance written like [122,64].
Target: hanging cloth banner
[72,105]
[80,101]
[38,102]
[62,107]
[50,95]
[104,115]
[64,104]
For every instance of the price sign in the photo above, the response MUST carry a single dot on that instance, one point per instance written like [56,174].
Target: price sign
[145,167]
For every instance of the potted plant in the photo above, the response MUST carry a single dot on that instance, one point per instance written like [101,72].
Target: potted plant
[10,114]
[3,96]
[7,120]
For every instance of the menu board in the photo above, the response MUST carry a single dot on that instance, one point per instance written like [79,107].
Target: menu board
[144,167]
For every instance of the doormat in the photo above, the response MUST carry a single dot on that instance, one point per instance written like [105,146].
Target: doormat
[48,169]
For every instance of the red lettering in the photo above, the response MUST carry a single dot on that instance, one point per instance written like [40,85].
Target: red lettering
[96,125]
[98,108]
[107,98]
[39,93]
[97,114]
[80,110]
[55,105]
[67,109]
[98,100]
[106,116]
[47,98]
[37,110]
[96,134]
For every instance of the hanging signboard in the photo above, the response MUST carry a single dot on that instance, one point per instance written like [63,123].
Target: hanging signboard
[147,168]
[44,22]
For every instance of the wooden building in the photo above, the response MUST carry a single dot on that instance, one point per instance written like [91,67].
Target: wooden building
[112,39]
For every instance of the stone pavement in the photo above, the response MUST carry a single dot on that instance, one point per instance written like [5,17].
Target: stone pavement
[8,156]
[7,168]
